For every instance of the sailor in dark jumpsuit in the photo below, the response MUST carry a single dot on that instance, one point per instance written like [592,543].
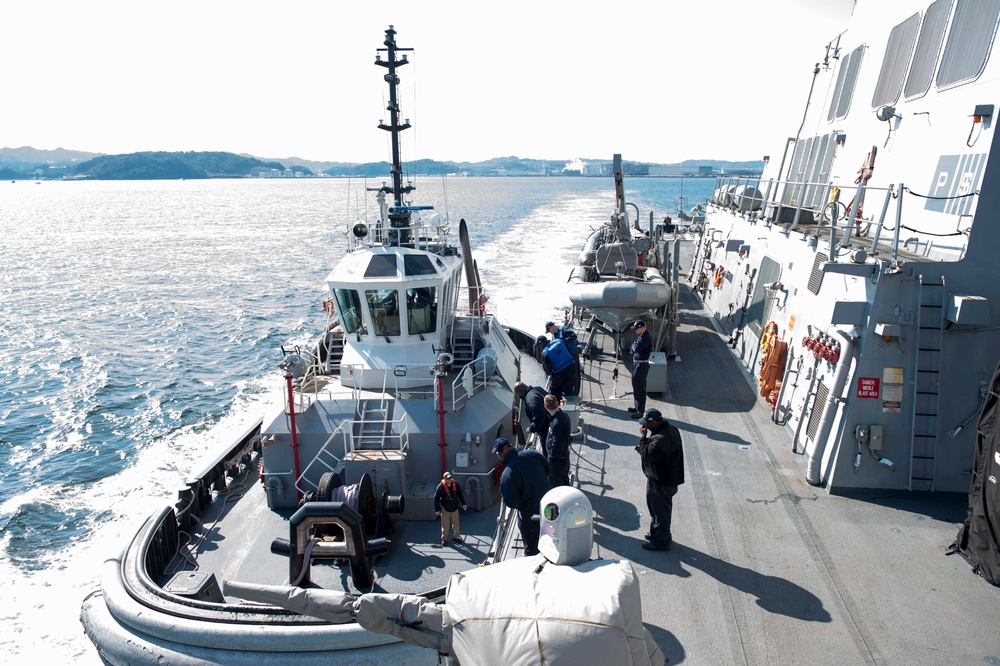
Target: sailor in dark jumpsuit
[534,408]
[524,482]
[663,465]
[641,348]
[557,443]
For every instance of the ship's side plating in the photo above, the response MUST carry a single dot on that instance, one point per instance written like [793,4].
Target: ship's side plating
[856,276]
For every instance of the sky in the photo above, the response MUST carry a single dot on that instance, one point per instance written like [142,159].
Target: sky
[657,81]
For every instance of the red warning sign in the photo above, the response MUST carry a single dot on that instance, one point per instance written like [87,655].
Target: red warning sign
[868,387]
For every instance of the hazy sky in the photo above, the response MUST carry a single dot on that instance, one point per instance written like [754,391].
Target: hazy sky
[657,81]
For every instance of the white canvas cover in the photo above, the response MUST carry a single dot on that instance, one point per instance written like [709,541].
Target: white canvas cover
[529,611]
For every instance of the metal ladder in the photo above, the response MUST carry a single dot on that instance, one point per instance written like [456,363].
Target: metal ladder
[463,341]
[927,383]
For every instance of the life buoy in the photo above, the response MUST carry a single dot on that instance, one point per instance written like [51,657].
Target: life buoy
[482,304]
[328,306]
[719,272]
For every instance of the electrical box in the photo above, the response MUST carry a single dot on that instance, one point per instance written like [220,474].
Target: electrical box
[968,309]
[462,459]
[875,437]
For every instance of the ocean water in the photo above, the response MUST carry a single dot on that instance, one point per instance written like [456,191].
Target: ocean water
[141,326]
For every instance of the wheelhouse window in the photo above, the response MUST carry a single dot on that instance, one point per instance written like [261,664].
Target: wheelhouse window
[384,306]
[349,307]
[421,309]
[382,265]
[897,57]
[847,77]
[418,264]
[969,41]
[925,56]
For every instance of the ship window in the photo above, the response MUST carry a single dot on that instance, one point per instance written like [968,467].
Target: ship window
[384,305]
[846,78]
[928,48]
[418,264]
[969,41]
[897,57]
[759,310]
[421,310]
[349,307]
[381,265]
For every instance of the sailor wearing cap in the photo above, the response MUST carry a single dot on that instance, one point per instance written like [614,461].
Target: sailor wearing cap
[663,465]
[642,346]
[447,498]
[524,481]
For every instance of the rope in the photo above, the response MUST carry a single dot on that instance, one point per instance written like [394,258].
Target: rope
[927,196]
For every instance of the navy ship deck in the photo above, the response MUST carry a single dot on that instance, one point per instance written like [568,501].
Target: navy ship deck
[766,568]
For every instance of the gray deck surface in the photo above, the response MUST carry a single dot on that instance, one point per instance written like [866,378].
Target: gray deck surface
[766,569]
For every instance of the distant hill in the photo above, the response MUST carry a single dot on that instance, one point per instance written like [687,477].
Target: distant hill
[169,166]
[27,162]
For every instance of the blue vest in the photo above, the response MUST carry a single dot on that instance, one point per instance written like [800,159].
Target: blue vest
[568,336]
[559,356]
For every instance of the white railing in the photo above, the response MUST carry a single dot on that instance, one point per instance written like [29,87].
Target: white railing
[327,458]
[840,220]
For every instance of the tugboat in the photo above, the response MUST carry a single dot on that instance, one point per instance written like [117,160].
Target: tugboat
[335,490]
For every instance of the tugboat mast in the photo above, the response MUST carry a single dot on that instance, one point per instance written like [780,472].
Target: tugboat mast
[399,214]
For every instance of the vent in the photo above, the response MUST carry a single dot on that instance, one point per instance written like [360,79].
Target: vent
[819,405]
[816,277]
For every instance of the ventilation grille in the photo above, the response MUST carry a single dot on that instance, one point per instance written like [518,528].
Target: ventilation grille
[817,411]
[816,277]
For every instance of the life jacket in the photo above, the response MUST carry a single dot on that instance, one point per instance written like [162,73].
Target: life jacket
[568,335]
[558,355]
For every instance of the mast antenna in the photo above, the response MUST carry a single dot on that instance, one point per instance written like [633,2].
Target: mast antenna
[399,214]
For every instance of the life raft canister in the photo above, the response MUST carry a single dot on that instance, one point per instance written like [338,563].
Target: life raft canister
[559,355]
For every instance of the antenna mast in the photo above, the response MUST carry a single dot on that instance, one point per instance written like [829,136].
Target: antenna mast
[399,214]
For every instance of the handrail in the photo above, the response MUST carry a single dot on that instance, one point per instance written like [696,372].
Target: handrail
[345,430]
[469,380]
[842,220]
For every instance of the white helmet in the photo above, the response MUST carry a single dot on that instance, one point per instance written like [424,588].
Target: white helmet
[567,526]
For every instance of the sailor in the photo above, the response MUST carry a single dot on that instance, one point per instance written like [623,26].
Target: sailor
[663,465]
[557,442]
[571,384]
[559,363]
[534,407]
[642,346]
[447,498]
[524,481]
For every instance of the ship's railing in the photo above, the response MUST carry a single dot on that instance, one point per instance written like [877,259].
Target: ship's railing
[470,381]
[428,235]
[343,441]
[795,204]
[390,380]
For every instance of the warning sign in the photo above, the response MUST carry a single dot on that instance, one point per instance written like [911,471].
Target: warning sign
[868,387]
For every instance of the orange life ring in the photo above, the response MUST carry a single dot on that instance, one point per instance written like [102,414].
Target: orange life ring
[719,272]
[328,306]
[482,304]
